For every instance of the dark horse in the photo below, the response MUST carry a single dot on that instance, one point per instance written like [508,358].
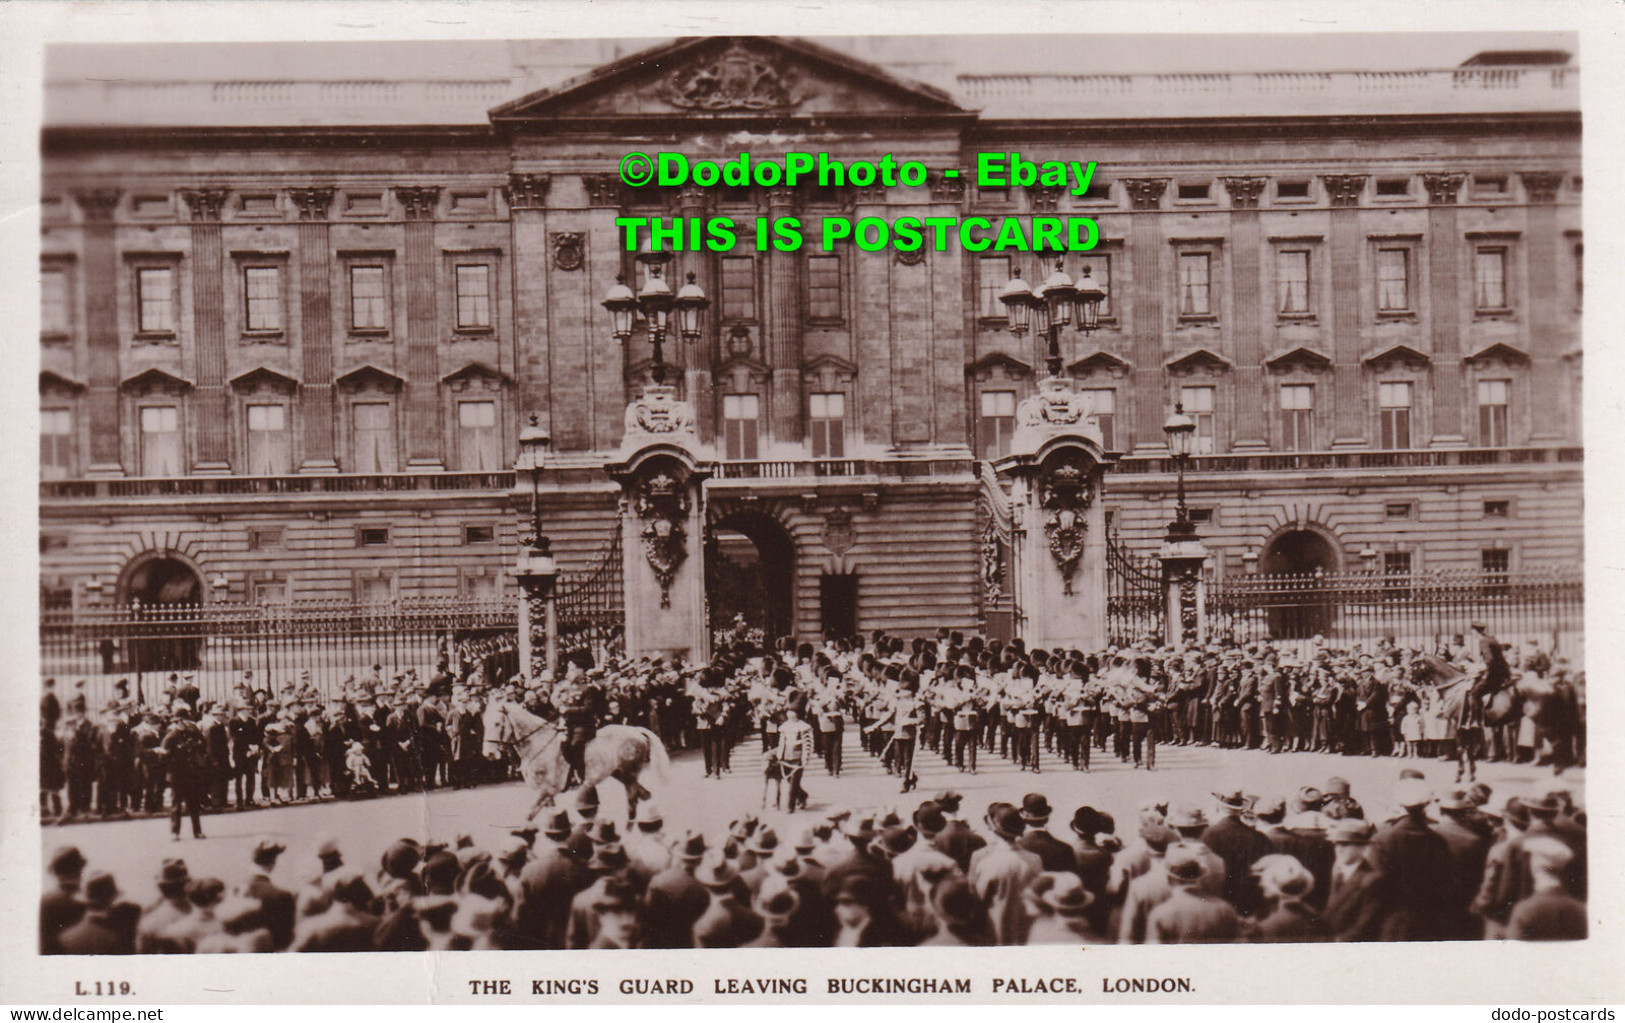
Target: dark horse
[621,752]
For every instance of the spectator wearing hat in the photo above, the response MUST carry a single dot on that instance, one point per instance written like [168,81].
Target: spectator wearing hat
[1506,879]
[1000,872]
[1052,853]
[550,882]
[675,899]
[1058,903]
[1468,850]
[185,756]
[316,894]
[1093,864]
[159,918]
[98,931]
[60,906]
[919,868]
[1239,846]
[1191,823]
[957,917]
[1550,912]
[277,904]
[1338,803]
[188,931]
[609,869]
[956,840]
[1550,815]
[864,915]
[1188,916]
[1415,863]
[777,903]
[1303,837]
[860,832]
[646,844]
[727,921]
[1355,905]
[1285,915]
[1150,889]
[347,925]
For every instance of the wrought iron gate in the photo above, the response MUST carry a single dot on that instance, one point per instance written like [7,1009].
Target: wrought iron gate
[591,607]
[1134,602]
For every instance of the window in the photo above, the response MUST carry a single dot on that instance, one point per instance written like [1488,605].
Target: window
[1392,187]
[1292,281]
[262,298]
[155,300]
[482,587]
[56,447]
[56,316]
[1292,190]
[1192,191]
[740,414]
[375,589]
[1394,413]
[1200,516]
[1396,563]
[161,440]
[479,534]
[1393,280]
[261,538]
[269,592]
[1297,417]
[1490,186]
[998,423]
[1198,403]
[1397,510]
[374,430]
[826,413]
[268,449]
[1194,299]
[991,194]
[1102,404]
[473,296]
[1099,266]
[1496,565]
[1497,509]
[1494,397]
[738,287]
[1098,191]
[994,274]
[1490,278]
[823,287]
[477,436]
[369,305]
[372,536]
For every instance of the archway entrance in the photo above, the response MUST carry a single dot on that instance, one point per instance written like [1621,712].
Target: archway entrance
[750,578]
[1303,609]
[163,635]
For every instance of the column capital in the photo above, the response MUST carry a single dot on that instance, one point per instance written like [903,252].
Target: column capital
[419,201]
[1146,193]
[1542,186]
[98,203]
[205,204]
[313,203]
[782,197]
[1344,189]
[1443,187]
[602,189]
[527,191]
[946,189]
[1244,192]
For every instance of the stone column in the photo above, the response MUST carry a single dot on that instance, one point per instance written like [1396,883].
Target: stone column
[422,325]
[1184,592]
[1145,254]
[530,255]
[695,359]
[1545,355]
[210,408]
[316,327]
[1347,373]
[101,330]
[784,339]
[1246,236]
[1444,261]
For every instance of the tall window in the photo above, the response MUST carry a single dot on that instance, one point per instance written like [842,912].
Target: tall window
[155,300]
[738,287]
[473,296]
[369,305]
[1102,403]
[1496,565]
[1393,280]
[823,287]
[477,435]
[262,297]
[268,448]
[998,423]
[375,589]
[56,444]
[1297,417]
[1194,291]
[1292,270]
[993,272]
[55,314]
[740,420]
[1394,413]
[1494,401]
[1490,278]
[1198,403]
[826,414]
[373,425]
[160,440]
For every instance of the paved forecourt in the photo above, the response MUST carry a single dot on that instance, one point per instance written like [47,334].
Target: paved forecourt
[134,850]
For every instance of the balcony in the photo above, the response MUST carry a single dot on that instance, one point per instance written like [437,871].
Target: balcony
[1312,461]
[233,486]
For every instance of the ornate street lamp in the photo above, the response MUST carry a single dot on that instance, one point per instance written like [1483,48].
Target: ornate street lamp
[1049,307]
[654,304]
[535,570]
[1180,430]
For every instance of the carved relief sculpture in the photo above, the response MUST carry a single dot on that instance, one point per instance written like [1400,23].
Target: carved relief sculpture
[659,411]
[1065,494]
[737,80]
[661,501]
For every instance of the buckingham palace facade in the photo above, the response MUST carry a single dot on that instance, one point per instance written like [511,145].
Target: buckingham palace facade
[292,326]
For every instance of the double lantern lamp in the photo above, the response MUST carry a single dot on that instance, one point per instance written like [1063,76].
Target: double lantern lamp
[1051,306]
[655,305]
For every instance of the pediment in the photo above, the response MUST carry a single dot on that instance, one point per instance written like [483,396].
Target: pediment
[1403,355]
[730,77]
[155,380]
[1501,352]
[49,381]
[474,371]
[369,376]
[1100,361]
[983,368]
[264,377]
[752,366]
[833,363]
[1299,356]
[1198,359]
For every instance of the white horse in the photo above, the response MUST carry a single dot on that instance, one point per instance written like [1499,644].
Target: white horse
[621,752]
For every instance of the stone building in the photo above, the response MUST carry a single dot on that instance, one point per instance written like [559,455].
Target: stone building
[295,317]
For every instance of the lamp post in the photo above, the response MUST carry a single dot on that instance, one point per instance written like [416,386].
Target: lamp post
[1183,555]
[1180,430]
[535,570]
[1048,308]
[655,305]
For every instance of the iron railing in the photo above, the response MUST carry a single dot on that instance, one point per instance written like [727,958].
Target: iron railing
[1134,602]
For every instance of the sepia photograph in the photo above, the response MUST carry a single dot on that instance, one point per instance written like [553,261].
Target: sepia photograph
[811,491]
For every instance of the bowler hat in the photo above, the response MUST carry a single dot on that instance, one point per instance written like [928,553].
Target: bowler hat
[67,861]
[1187,817]
[101,890]
[715,871]
[1286,875]
[896,840]
[604,833]
[1184,863]
[1088,822]
[1351,831]
[268,849]
[1413,792]
[692,846]
[608,857]
[929,818]
[558,825]
[1006,820]
[949,800]
[1035,809]
[1063,892]
[859,828]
